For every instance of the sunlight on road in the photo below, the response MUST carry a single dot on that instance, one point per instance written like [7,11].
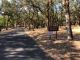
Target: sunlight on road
[11,49]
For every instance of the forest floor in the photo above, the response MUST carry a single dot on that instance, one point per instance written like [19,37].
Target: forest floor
[58,48]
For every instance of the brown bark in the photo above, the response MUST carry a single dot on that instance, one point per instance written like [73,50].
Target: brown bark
[49,15]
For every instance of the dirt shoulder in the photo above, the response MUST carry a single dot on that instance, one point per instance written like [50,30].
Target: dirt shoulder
[60,48]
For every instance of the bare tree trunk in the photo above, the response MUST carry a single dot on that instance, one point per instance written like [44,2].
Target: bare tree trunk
[15,24]
[79,20]
[49,16]
[24,23]
[7,23]
[68,19]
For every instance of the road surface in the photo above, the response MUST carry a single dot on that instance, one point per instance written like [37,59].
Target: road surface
[16,45]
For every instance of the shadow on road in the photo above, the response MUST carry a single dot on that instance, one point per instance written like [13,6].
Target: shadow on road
[14,46]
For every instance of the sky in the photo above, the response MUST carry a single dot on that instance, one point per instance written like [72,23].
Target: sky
[0,2]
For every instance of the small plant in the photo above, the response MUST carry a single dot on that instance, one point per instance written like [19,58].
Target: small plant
[2,22]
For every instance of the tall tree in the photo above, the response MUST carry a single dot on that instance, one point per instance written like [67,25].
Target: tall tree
[49,14]
[68,19]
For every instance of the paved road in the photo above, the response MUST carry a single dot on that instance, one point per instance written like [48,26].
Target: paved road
[16,46]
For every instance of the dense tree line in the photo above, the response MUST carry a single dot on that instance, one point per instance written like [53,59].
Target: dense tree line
[33,14]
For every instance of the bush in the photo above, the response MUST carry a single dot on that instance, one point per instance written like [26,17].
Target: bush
[2,22]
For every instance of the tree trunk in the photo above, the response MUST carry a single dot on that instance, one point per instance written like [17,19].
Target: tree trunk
[24,24]
[49,15]
[68,19]
[15,24]
[7,23]
[79,20]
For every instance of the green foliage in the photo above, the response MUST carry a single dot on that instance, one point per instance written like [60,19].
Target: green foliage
[20,11]
[2,21]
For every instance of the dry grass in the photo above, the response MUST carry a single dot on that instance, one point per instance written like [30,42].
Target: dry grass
[76,29]
[60,48]
[36,32]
